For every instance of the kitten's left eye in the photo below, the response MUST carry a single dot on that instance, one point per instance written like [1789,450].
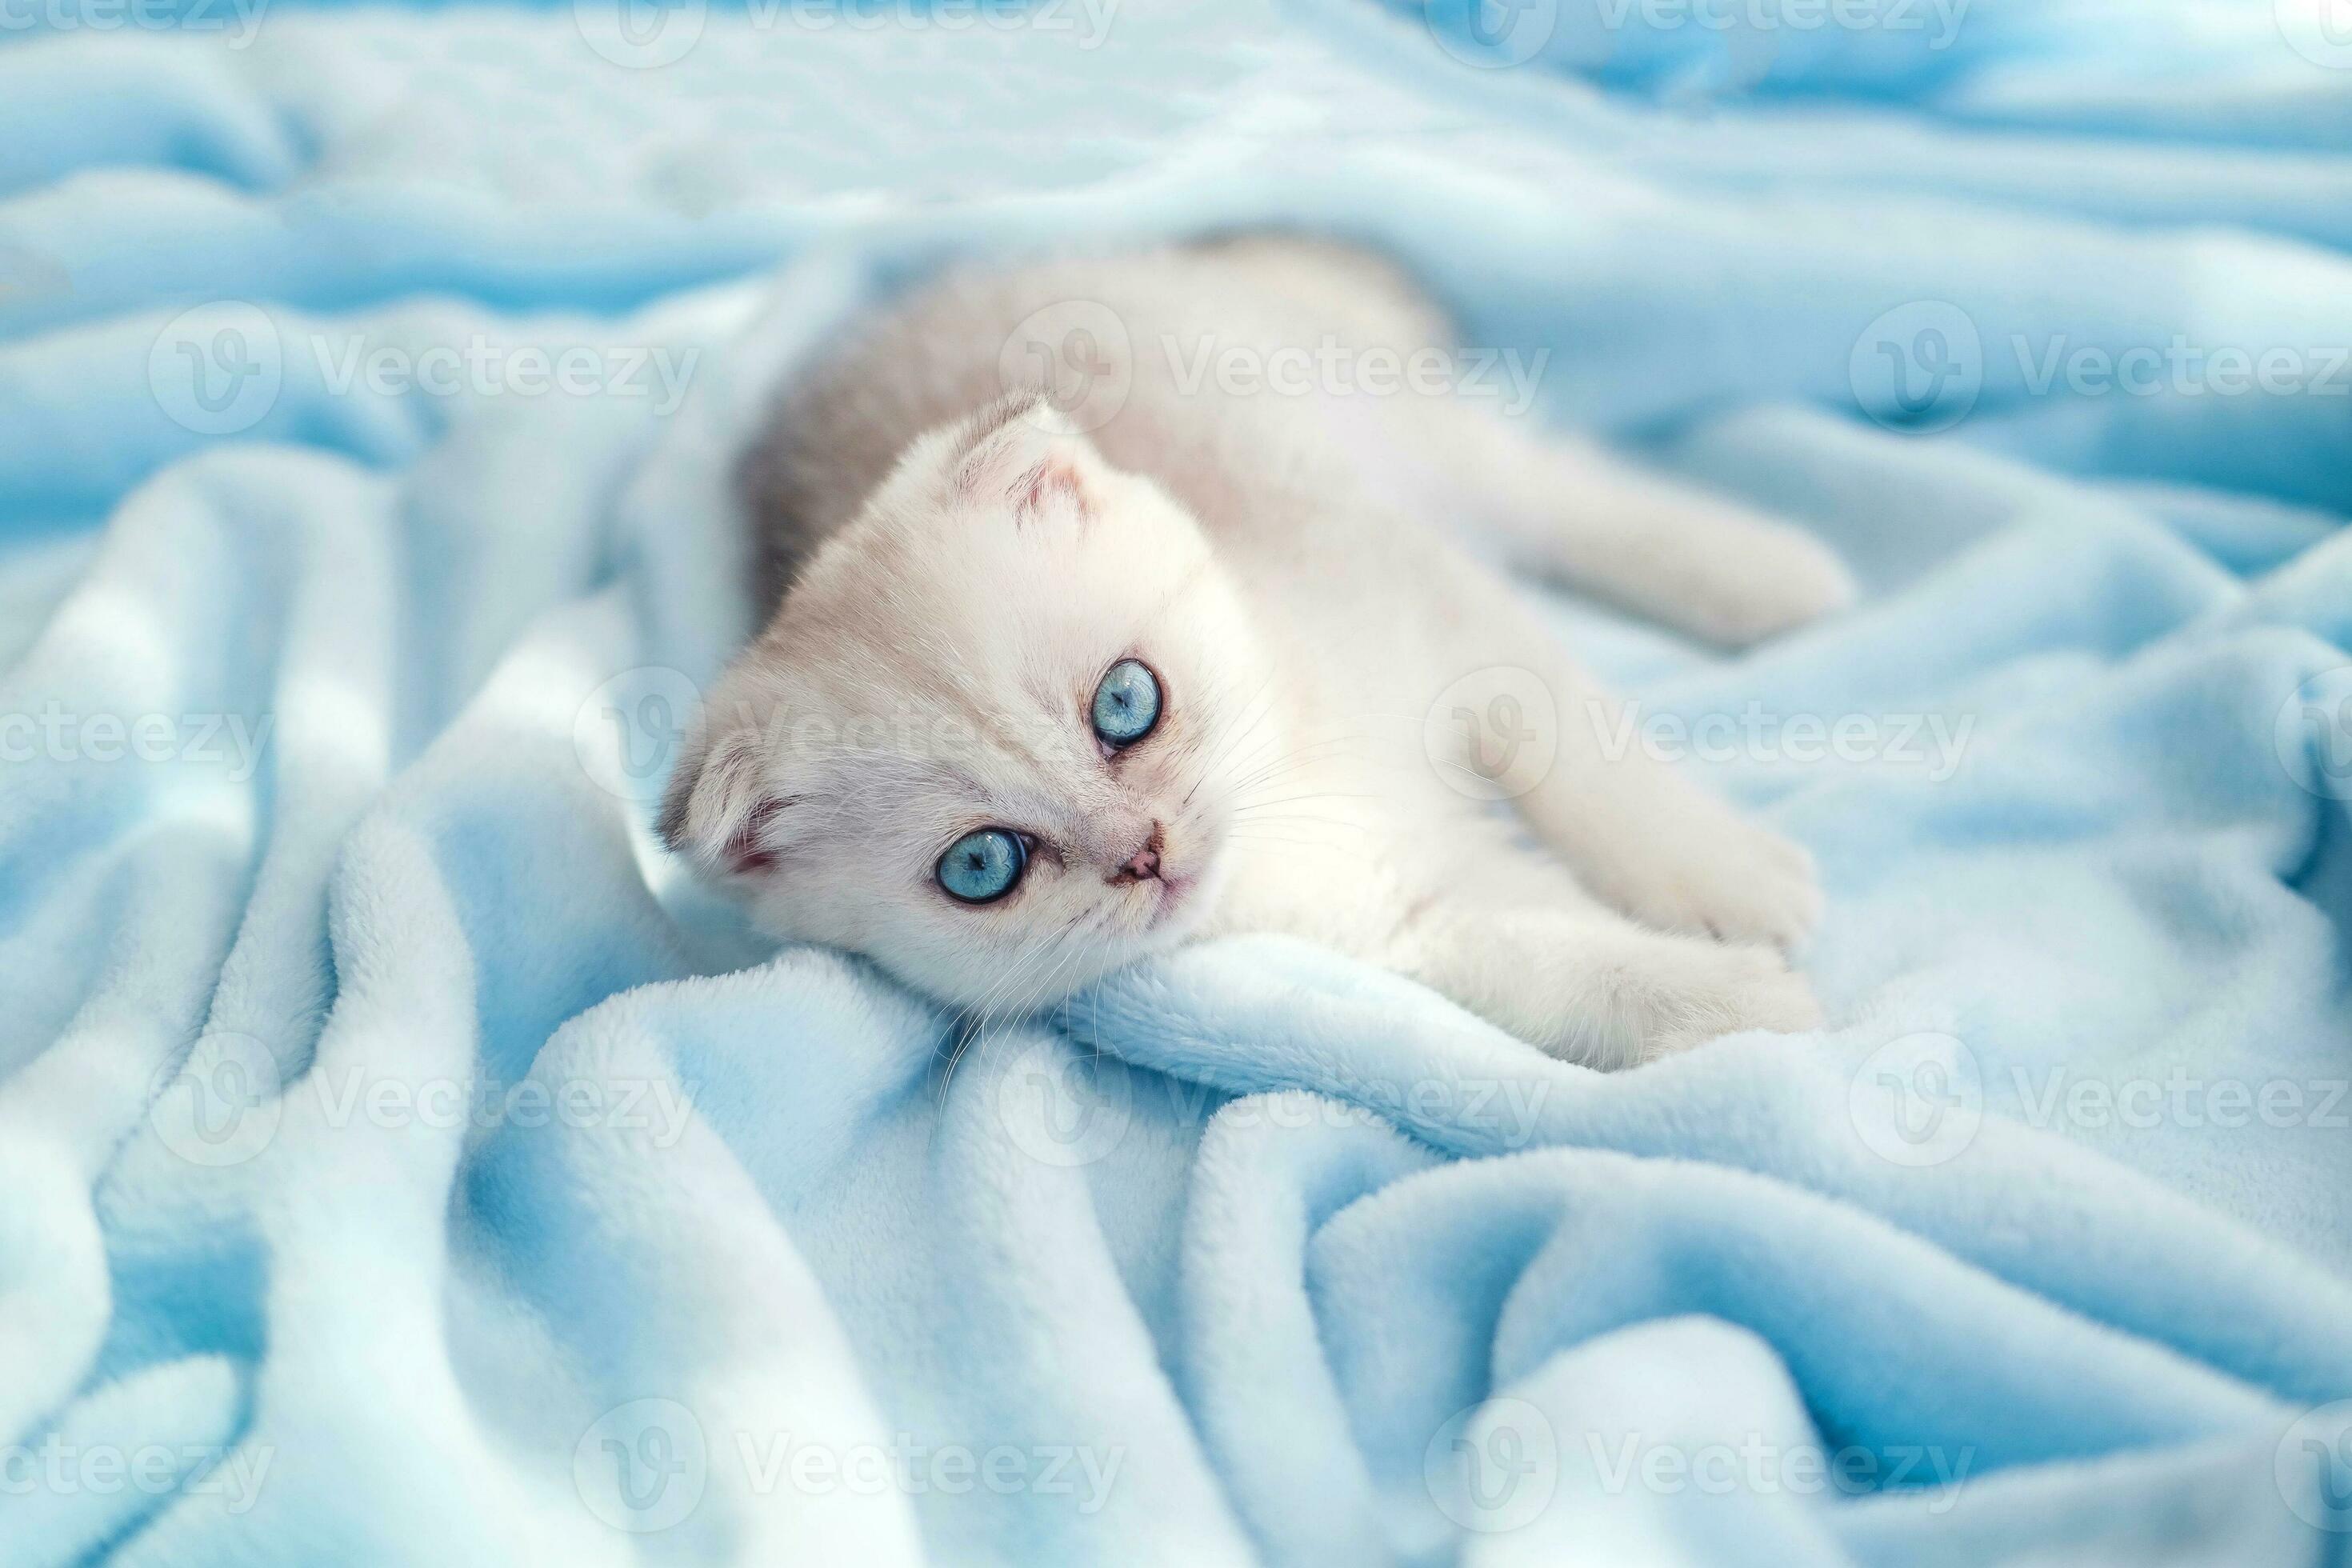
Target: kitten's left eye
[1126,704]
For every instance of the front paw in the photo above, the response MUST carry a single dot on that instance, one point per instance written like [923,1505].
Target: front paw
[1789,579]
[1715,874]
[1707,992]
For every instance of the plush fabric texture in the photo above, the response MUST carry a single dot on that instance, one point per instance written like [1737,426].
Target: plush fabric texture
[403,1161]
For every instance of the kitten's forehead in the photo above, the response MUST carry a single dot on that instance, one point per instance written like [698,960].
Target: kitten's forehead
[975,616]
[934,715]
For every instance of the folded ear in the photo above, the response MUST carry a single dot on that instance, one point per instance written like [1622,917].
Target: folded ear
[1024,449]
[716,807]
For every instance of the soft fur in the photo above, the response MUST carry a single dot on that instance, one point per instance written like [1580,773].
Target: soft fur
[968,554]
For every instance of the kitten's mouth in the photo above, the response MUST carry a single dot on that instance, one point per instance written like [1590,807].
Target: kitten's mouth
[1168,896]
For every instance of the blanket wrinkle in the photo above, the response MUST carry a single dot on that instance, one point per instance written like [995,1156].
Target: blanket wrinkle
[404,1160]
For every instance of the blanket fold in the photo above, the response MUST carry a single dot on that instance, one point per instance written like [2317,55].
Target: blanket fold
[402,1160]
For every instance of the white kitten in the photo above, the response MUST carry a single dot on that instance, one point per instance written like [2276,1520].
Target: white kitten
[1134,653]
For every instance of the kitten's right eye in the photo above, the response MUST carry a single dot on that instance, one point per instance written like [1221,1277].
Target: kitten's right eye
[981,868]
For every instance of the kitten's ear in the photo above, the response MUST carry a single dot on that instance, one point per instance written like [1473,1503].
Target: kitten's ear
[1027,451]
[716,807]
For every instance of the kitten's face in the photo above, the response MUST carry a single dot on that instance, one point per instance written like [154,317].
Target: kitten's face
[995,735]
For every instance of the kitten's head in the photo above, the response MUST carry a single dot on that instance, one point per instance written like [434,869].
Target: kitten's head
[993,735]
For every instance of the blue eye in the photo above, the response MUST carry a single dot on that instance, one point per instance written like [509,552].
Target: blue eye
[1127,703]
[981,868]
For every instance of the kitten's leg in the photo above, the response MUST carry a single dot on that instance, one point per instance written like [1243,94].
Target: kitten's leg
[1639,834]
[1588,986]
[1565,508]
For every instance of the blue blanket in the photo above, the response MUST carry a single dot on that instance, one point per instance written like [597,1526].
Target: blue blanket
[400,1161]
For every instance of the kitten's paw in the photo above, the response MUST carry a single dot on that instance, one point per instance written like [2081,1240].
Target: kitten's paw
[1707,992]
[1785,579]
[1716,874]
[1794,583]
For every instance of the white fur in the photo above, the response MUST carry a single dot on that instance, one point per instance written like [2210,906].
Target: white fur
[964,567]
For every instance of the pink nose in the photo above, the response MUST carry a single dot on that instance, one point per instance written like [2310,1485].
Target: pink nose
[1145,862]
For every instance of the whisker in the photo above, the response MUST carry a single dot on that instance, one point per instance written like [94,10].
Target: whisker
[1023,976]
[1313,794]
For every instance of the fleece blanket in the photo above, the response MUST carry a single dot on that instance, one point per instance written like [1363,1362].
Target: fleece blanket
[402,1161]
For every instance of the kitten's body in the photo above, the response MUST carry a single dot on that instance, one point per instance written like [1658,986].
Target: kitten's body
[1331,658]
